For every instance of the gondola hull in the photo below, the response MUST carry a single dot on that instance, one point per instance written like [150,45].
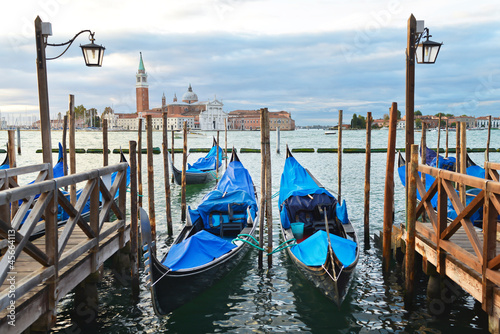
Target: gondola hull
[321,277]
[193,178]
[170,290]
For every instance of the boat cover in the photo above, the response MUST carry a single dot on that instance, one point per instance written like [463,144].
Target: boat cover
[296,181]
[341,211]
[203,247]
[235,187]
[314,250]
[206,163]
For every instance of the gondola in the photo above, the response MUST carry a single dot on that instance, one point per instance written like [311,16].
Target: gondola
[203,170]
[5,163]
[210,245]
[449,164]
[307,212]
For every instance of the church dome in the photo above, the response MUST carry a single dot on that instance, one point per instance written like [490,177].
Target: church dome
[189,96]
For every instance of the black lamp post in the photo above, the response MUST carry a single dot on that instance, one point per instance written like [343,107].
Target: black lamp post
[93,55]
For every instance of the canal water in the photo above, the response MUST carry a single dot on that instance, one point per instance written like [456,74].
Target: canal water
[278,300]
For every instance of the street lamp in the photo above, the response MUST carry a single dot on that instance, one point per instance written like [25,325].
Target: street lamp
[93,55]
[426,53]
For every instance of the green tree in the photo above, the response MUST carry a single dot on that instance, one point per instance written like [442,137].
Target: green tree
[107,110]
[417,113]
[418,123]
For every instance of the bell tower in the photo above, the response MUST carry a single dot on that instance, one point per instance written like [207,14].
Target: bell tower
[141,88]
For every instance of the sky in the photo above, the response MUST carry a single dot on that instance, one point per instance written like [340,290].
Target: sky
[310,58]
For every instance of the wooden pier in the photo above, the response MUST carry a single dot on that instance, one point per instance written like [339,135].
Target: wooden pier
[36,273]
[454,248]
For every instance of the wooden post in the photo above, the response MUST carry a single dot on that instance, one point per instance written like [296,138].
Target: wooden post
[262,209]
[166,176]
[19,140]
[457,147]
[446,151]
[389,188]
[65,146]
[105,161]
[72,143]
[12,163]
[423,146]
[367,179]
[134,228]
[278,140]
[463,158]
[183,183]
[151,179]
[439,140]
[410,90]
[339,158]
[139,160]
[487,152]
[225,142]
[269,210]
[217,161]
[172,151]
[410,228]
[51,242]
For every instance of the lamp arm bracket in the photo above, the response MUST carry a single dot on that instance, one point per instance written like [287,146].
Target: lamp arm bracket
[426,30]
[91,37]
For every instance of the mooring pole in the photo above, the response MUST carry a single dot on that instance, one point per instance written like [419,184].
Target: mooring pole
[139,159]
[463,158]
[367,179]
[12,163]
[183,183]
[64,145]
[166,180]
[172,151]
[217,161]
[72,143]
[487,152]
[410,227]
[262,209]
[457,148]
[439,140]
[269,210]
[134,226]
[278,140]
[19,140]
[339,159]
[389,188]
[151,179]
[446,152]
[225,142]
[105,154]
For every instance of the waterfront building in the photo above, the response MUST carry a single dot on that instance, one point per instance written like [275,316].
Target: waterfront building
[250,120]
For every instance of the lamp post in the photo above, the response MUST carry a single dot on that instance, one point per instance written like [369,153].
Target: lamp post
[425,53]
[93,55]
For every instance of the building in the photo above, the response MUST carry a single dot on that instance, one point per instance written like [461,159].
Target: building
[250,120]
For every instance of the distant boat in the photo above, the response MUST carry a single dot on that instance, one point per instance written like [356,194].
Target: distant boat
[330,132]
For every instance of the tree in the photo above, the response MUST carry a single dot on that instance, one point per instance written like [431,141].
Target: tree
[399,114]
[417,113]
[358,122]
[107,110]
[418,123]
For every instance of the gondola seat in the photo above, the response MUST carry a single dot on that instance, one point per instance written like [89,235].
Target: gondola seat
[228,223]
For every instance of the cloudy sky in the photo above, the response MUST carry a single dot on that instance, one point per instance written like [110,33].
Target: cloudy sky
[310,58]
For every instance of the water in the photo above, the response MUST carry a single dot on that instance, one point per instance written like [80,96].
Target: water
[278,299]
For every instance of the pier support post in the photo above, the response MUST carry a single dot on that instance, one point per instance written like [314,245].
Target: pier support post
[19,140]
[262,184]
[166,176]
[86,304]
[410,227]
[269,210]
[11,147]
[278,140]
[339,159]
[139,160]
[367,179]
[183,183]
[389,188]
[151,179]
[72,156]
[134,224]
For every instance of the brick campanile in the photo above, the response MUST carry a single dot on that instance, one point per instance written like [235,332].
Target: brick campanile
[141,88]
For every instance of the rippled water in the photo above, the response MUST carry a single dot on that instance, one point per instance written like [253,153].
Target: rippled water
[279,299]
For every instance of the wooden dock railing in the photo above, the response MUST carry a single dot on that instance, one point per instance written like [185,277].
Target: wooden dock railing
[37,213]
[476,248]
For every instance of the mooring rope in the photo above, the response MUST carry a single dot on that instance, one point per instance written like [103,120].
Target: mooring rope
[255,245]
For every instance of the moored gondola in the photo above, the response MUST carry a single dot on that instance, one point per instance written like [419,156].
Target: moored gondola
[210,245]
[203,170]
[307,212]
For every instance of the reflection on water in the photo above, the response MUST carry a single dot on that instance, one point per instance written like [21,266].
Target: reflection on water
[278,300]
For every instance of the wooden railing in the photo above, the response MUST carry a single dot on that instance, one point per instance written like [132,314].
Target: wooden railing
[41,213]
[484,258]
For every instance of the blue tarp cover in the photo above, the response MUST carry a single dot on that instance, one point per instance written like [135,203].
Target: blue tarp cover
[235,186]
[295,181]
[341,211]
[203,247]
[206,163]
[314,250]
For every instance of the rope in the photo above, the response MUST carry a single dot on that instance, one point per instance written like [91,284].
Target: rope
[276,194]
[255,245]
